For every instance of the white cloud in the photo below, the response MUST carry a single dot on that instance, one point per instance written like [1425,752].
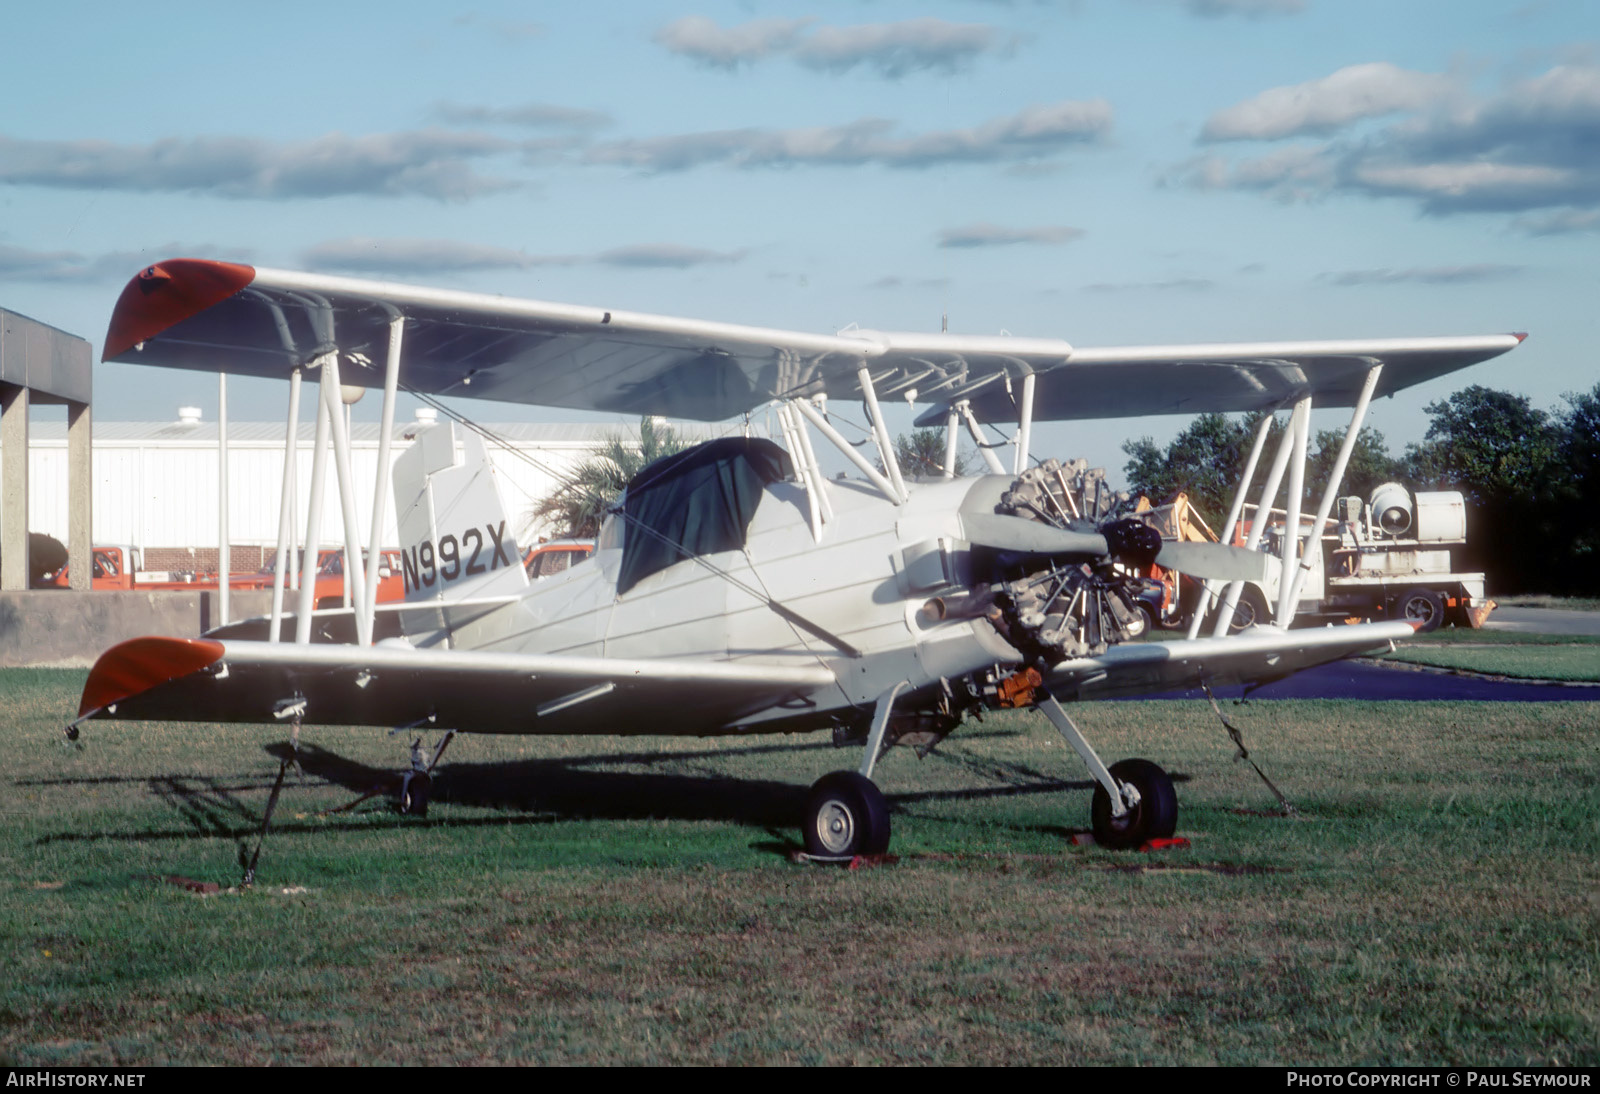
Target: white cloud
[665,256]
[22,264]
[1323,106]
[1036,131]
[364,254]
[1426,275]
[893,49]
[1561,222]
[421,256]
[702,40]
[1180,284]
[896,49]
[430,163]
[1253,9]
[528,115]
[1533,145]
[984,234]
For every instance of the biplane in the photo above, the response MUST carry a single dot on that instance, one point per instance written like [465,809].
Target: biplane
[736,587]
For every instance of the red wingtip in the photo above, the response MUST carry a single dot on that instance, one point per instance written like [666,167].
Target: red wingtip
[164,295]
[132,667]
[1520,335]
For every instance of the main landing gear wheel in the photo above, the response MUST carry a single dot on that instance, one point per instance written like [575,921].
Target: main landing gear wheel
[1154,817]
[1421,606]
[846,815]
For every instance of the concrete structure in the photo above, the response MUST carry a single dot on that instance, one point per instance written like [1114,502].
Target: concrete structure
[40,364]
[62,629]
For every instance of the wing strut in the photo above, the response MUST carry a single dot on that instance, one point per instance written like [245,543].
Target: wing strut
[874,476]
[1024,425]
[964,408]
[1336,476]
[380,490]
[1209,591]
[291,444]
[880,430]
[1269,491]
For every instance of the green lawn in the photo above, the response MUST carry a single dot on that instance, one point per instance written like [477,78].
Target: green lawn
[1574,662]
[1434,898]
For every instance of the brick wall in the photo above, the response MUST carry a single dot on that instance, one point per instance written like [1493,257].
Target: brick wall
[241,560]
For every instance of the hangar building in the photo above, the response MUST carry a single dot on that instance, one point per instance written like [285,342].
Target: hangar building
[155,483]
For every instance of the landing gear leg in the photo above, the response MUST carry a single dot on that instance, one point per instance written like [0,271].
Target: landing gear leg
[846,814]
[1135,800]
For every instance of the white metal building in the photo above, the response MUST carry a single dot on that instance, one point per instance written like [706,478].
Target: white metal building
[155,483]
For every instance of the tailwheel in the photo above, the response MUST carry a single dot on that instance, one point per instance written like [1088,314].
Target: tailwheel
[846,815]
[1153,816]
[414,793]
[416,785]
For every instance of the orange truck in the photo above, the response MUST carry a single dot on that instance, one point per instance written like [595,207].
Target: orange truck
[120,567]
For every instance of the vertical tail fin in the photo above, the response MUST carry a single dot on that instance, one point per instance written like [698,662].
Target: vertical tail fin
[455,540]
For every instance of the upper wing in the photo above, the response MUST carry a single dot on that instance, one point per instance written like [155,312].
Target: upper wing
[219,316]
[1259,655]
[196,679]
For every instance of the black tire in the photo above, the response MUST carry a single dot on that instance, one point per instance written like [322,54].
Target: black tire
[1422,606]
[414,794]
[1251,609]
[1155,817]
[846,815]
[1150,621]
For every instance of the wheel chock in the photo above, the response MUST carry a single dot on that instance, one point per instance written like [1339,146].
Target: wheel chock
[849,862]
[1161,843]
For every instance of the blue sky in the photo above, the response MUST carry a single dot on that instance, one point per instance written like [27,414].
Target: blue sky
[1105,171]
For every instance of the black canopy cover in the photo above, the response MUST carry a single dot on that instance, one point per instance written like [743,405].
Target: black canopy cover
[695,502]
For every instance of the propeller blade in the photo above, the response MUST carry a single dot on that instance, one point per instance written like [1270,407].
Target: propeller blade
[1215,561]
[1008,533]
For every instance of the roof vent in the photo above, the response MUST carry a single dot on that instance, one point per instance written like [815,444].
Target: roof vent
[427,415]
[188,415]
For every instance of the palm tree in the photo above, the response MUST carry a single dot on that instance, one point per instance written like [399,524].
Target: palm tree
[576,509]
[921,454]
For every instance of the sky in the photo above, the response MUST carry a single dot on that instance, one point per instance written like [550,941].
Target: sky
[1110,172]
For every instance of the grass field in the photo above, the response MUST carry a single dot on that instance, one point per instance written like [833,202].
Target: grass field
[1505,653]
[1563,603]
[1434,899]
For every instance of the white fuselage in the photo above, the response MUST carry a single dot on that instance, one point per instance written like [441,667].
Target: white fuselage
[866,581]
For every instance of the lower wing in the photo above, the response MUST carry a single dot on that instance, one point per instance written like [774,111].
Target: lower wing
[1259,655]
[197,679]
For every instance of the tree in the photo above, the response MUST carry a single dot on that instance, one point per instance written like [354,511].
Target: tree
[920,454]
[1577,495]
[1490,445]
[576,509]
[1504,457]
[1204,461]
[1370,464]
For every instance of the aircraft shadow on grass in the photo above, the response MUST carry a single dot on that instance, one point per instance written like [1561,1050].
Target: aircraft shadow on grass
[549,790]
